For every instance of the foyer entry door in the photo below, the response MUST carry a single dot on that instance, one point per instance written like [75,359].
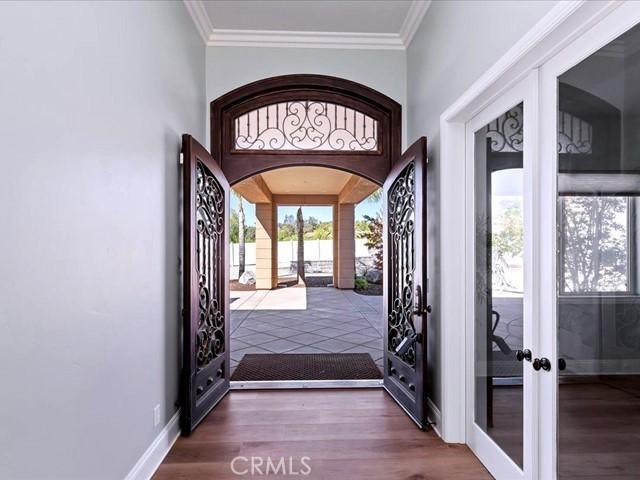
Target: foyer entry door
[501,349]
[405,281]
[205,363]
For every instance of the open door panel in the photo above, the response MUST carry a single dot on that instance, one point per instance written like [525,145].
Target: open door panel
[205,365]
[405,281]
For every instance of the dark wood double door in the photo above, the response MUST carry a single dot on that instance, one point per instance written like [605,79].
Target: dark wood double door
[206,332]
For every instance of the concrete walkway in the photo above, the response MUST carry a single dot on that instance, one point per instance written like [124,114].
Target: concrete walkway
[305,320]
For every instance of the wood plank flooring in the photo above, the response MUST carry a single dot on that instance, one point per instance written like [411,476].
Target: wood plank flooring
[347,434]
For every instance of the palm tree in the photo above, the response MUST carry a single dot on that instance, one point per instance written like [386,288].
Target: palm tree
[375,196]
[300,229]
[241,229]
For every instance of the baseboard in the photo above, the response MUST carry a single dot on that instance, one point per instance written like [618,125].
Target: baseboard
[151,459]
[433,415]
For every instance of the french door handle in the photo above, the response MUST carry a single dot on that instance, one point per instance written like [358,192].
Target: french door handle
[541,363]
[523,355]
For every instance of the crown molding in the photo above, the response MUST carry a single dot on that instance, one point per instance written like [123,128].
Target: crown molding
[412,21]
[293,39]
[200,18]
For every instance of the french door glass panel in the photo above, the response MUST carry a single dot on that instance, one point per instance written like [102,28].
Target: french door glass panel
[598,294]
[499,281]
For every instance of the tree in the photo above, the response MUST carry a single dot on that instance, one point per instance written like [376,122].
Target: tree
[373,235]
[362,228]
[300,230]
[594,241]
[507,241]
[241,234]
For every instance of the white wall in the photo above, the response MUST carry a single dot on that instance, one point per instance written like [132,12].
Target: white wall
[314,250]
[231,67]
[455,44]
[94,97]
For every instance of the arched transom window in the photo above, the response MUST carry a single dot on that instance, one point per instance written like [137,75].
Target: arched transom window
[306,125]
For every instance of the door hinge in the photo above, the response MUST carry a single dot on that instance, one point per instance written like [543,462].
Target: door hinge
[181,161]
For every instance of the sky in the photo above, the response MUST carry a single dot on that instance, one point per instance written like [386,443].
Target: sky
[324,214]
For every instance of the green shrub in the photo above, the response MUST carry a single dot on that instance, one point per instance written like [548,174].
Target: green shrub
[361,283]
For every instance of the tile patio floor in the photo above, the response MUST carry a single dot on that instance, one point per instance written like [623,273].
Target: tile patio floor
[305,320]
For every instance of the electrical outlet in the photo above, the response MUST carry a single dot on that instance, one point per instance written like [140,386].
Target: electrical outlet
[156,415]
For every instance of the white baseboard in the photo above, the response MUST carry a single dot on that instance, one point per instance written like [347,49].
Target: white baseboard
[151,459]
[433,415]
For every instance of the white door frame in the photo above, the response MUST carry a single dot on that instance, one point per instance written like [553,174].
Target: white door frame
[607,29]
[492,456]
[563,23]
[569,33]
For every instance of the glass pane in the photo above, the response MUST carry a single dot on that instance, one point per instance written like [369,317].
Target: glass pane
[499,281]
[598,297]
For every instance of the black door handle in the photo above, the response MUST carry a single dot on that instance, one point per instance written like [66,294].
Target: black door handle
[541,363]
[523,355]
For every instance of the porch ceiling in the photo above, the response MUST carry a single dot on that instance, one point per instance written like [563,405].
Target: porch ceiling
[307,180]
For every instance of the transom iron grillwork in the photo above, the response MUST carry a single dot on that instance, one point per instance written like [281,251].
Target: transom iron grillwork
[306,125]
[209,250]
[574,134]
[401,222]
[505,131]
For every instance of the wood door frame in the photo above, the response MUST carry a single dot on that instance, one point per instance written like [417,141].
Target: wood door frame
[373,165]
[554,31]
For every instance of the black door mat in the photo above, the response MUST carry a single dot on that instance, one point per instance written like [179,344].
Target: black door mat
[306,366]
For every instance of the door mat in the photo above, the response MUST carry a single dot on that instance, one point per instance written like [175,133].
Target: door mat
[306,366]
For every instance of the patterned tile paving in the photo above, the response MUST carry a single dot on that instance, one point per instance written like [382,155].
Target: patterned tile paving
[305,320]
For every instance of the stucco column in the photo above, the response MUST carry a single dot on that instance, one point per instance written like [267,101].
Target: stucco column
[266,246]
[345,260]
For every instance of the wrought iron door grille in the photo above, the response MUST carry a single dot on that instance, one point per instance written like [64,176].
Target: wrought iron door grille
[401,222]
[209,250]
[306,125]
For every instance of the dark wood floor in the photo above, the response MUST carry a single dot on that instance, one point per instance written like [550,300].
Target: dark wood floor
[348,435]
[598,427]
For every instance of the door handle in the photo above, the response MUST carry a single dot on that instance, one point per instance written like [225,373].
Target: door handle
[418,303]
[541,363]
[523,355]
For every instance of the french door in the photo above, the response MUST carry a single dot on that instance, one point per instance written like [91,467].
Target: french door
[553,264]
[205,364]
[501,287]
[589,253]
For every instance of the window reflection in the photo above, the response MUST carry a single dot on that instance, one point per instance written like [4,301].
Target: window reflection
[598,300]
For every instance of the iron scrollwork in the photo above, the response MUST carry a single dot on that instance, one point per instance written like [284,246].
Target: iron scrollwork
[306,125]
[210,204]
[401,223]
[574,134]
[505,131]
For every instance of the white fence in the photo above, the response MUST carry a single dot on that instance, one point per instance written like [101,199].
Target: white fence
[314,251]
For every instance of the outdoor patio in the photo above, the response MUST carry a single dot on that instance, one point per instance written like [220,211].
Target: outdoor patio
[305,320]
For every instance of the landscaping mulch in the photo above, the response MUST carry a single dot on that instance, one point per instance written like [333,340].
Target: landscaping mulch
[371,289]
